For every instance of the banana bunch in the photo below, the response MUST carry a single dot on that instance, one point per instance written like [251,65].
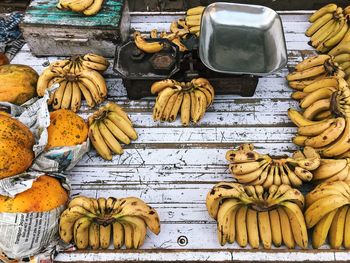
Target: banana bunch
[252,168]
[147,46]
[92,223]
[73,87]
[331,170]
[191,99]
[76,64]
[329,27]
[110,126]
[252,215]
[86,7]
[328,214]
[193,19]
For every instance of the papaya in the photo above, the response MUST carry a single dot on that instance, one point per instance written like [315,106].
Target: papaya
[66,129]
[45,194]
[16,146]
[18,83]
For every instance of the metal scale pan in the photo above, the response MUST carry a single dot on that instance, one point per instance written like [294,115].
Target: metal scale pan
[242,39]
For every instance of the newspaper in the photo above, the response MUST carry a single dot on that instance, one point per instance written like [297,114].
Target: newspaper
[27,234]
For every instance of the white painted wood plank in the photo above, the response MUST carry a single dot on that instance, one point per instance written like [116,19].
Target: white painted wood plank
[209,256]
[184,154]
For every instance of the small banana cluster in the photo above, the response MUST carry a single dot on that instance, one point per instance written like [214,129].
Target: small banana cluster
[328,214]
[110,126]
[252,215]
[182,28]
[147,46]
[252,168]
[191,99]
[331,170]
[75,64]
[329,27]
[92,223]
[86,7]
[193,19]
[77,78]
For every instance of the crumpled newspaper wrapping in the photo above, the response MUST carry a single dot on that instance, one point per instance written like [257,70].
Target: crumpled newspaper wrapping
[35,115]
[35,235]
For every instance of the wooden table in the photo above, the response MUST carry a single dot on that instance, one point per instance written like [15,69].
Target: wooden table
[172,167]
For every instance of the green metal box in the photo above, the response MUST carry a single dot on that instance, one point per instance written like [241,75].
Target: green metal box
[53,32]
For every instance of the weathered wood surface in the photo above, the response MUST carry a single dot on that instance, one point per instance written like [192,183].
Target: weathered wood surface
[173,168]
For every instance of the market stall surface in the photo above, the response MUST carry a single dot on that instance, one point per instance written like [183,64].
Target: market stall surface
[172,168]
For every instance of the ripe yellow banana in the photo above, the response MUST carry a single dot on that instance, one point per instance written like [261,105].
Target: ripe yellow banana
[315,129]
[320,231]
[58,95]
[297,223]
[139,230]
[128,235]
[330,8]
[200,106]
[67,96]
[338,36]
[117,133]
[307,73]
[269,179]
[276,227]
[76,97]
[241,226]
[86,94]
[81,232]
[311,62]
[346,242]
[148,47]
[298,95]
[318,209]
[123,125]
[336,231]
[96,78]
[286,229]
[119,110]
[221,191]
[299,120]
[162,84]
[118,235]
[323,33]
[177,106]
[322,83]
[162,101]
[252,176]
[328,136]
[109,139]
[265,229]
[322,93]
[99,143]
[318,24]
[226,220]
[169,106]
[293,178]
[328,168]
[91,87]
[84,202]
[195,10]
[186,109]
[94,236]
[341,58]
[342,48]
[94,8]
[341,146]
[252,228]
[262,178]
[44,79]
[105,236]
[317,107]
[299,140]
